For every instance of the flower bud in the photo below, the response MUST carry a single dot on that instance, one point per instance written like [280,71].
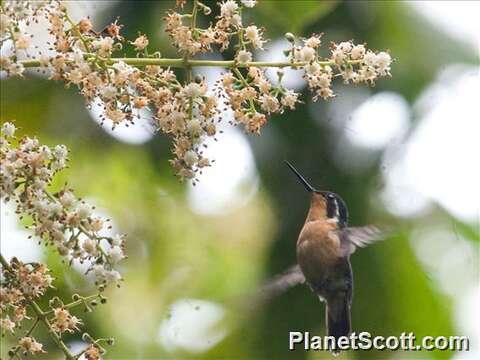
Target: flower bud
[290,37]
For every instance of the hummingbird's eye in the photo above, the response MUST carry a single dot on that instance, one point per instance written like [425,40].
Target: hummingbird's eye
[331,196]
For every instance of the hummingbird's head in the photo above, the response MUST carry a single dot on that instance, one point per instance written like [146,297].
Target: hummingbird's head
[328,204]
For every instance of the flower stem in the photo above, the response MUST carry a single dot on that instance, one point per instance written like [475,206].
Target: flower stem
[186,63]
[81,301]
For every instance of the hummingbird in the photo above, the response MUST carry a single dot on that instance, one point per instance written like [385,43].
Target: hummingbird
[323,252]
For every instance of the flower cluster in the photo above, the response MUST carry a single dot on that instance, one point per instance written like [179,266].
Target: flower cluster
[28,345]
[21,286]
[25,282]
[84,59]
[190,40]
[13,15]
[63,321]
[349,61]
[253,97]
[60,219]
[187,111]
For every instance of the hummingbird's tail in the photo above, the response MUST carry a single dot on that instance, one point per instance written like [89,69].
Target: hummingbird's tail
[338,317]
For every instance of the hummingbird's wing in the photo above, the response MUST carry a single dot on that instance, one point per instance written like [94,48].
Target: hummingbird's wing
[279,284]
[359,237]
[254,300]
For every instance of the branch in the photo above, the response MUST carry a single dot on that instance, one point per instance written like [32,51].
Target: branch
[186,63]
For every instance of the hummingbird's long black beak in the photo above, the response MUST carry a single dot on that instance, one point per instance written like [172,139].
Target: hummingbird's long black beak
[301,178]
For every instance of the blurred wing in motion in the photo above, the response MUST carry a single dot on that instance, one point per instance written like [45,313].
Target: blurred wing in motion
[282,282]
[360,237]
[247,304]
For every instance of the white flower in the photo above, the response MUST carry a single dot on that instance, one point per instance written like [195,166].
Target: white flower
[249,3]
[116,254]
[194,127]
[83,211]
[312,68]
[178,119]
[102,274]
[23,42]
[112,276]
[108,92]
[41,205]
[84,68]
[29,144]
[39,184]
[203,162]
[121,66]
[370,59]
[269,103]
[244,57]
[89,246]
[60,152]
[104,46]
[307,54]
[75,76]
[338,56]
[192,90]
[289,99]
[253,34]
[228,8]
[190,158]
[4,23]
[349,74]
[29,344]
[140,42]
[122,72]
[99,271]
[58,164]
[6,323]
[367,73]
[8,129]
[383,61]
[324,93]
[55,208]
[236,20]
[186,173]
[96,224]
[324,80]
[358,52]
[12,156]
[45,152]
[16,69]
[313,42]
[5,62]
[44,60]
[345,46]
[62,249]
[115,115]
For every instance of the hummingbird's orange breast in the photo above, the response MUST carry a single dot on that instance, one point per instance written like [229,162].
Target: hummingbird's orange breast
[318,250]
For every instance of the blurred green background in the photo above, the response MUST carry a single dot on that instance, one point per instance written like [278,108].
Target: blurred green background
[193,252]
